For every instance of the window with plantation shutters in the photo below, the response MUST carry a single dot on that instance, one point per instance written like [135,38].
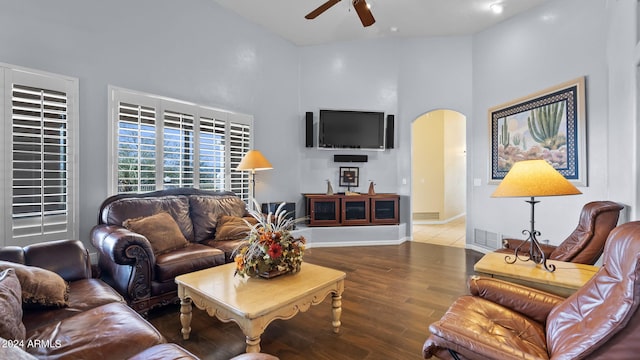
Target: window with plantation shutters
[40,117]
[136,148]
[178,150]
[162,143]
[239,144]
[213,151]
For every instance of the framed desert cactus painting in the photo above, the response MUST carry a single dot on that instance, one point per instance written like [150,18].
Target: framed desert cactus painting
[547,125]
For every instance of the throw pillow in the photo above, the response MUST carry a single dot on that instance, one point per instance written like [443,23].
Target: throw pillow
[160,229]
[11,326]
[233,227]
[40,287]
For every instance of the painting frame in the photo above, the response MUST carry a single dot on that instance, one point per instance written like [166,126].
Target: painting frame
[349,176]
[552,121]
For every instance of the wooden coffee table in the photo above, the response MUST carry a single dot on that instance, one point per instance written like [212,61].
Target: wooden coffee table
[254,303]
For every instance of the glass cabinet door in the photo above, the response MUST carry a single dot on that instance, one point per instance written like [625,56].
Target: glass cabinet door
[384,210]
[324,211]
[355,210]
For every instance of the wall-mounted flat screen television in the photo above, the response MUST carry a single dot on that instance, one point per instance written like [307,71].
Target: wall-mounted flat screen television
[344,129]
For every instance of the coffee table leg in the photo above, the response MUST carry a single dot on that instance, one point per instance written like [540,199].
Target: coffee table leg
[253,344]
[336,310]
[185,317]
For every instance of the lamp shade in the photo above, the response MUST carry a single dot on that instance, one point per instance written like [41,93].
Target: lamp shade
[254,160]
[534,178]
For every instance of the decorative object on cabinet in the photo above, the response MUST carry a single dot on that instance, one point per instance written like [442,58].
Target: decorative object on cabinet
[359,209]
[254,161]
[329,187]
[547,125]
[349,177]
[531,178]
[372,191]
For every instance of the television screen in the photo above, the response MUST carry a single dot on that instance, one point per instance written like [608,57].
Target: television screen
[342,129]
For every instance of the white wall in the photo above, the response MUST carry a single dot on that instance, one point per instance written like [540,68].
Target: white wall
[623,58]
[455,172]
[551,44]
[348,76]
[202,53]
[404,77]
[195,51]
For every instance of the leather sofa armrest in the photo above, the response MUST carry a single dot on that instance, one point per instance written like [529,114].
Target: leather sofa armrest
[126,260]
[121,246]
[533,303]
[12,253]
[67,258]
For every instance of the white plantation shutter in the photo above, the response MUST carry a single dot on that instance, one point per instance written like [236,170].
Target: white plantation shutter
[40,193]
[190,146]
[212,154]
[136,148]
[239,144]
[178,150]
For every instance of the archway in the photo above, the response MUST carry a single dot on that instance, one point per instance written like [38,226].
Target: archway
[438,184]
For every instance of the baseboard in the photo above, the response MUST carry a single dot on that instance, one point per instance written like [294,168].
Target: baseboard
[478,248]
[438,222]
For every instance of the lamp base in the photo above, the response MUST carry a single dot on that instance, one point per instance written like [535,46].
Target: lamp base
[535,253]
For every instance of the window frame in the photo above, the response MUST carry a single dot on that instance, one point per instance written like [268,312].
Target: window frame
[162,105]
[10,74]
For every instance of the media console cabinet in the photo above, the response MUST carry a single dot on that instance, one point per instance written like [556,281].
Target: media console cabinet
[361,209]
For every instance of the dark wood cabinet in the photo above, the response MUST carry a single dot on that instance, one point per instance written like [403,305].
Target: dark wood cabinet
[355,210]
[361,209]
[384,209]
[323,210]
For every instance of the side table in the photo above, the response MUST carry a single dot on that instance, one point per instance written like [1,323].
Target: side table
[564,281]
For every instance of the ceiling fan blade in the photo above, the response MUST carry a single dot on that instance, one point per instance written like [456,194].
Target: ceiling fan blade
[322,8]
[364,13]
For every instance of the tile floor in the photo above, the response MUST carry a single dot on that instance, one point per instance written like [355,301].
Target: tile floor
[449,234]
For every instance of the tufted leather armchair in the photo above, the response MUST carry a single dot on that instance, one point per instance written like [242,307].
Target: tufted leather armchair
[500,320]
[586,242]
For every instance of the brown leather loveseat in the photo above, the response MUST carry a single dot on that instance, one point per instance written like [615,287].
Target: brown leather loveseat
[92,323]
[134,265]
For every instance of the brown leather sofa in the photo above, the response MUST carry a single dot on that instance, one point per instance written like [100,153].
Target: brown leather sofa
[586,242]
[95,324]
[500,320]
[126,259]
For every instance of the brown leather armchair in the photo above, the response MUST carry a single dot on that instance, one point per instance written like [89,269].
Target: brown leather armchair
[586,242]
[500,320]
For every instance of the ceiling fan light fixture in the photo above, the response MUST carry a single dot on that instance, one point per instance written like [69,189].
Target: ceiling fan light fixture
[496,8]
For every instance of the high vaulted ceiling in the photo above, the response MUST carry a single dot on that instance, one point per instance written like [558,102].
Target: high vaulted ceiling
[394,18]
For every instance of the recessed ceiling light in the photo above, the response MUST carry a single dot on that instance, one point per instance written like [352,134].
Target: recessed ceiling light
[393,29]
[496,8]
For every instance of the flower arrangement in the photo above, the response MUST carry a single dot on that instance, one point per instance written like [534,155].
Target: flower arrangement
[271,248]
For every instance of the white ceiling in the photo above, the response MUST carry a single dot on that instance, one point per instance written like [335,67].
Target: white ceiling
[410,17]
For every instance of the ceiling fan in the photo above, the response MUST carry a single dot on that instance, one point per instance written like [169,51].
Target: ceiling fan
[361,6]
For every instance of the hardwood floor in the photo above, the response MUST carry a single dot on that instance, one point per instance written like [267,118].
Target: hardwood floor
[392,294]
